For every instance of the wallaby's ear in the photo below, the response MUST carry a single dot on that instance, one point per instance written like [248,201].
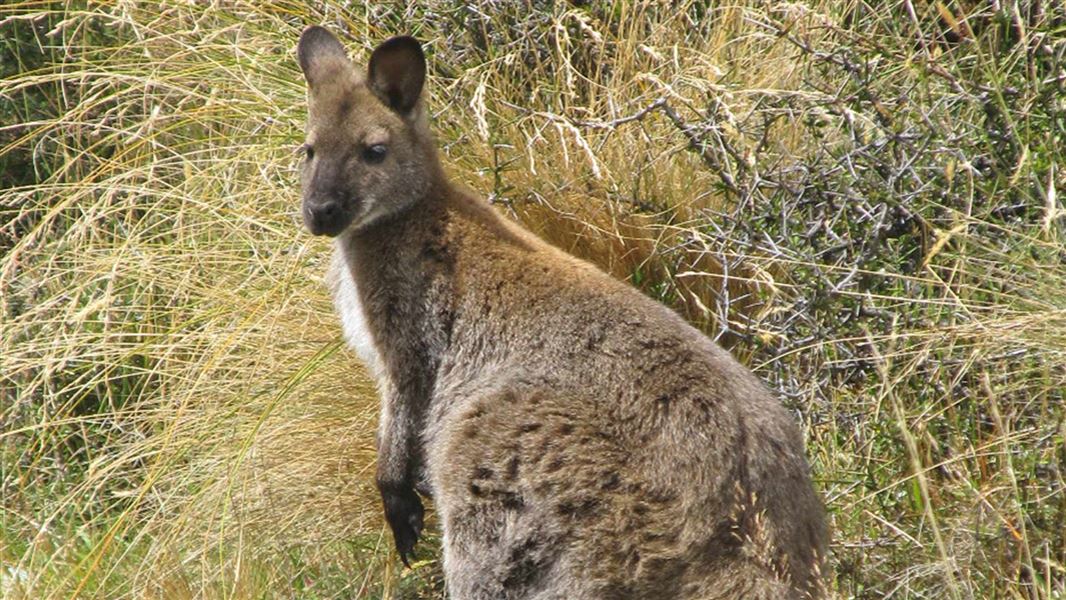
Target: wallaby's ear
[397,71]
[317,51]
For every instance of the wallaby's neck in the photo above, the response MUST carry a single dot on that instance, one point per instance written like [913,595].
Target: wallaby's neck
[403,267]
[394,247]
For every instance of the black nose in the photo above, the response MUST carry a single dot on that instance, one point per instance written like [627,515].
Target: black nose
[326,218]
[326,212]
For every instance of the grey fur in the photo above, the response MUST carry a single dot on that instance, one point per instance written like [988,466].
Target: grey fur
[579,440]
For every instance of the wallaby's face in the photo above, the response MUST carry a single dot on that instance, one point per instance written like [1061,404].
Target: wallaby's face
[367,152]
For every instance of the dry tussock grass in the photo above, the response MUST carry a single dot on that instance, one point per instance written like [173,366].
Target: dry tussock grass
[811,183]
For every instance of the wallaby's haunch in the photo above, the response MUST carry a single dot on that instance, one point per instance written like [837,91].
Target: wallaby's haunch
[579,440]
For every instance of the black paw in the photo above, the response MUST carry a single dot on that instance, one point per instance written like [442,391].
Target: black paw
[404,512]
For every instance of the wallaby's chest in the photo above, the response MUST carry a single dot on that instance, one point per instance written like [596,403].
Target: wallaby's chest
[350,309]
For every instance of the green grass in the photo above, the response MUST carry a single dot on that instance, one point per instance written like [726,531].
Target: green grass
[860,202]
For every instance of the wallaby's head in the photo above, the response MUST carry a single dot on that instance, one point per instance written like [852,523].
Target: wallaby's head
[368,152]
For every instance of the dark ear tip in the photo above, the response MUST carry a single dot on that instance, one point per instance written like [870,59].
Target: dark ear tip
[312,35]
[396,71]
[403,42]
[317,41]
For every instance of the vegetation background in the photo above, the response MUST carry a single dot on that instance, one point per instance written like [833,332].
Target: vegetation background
[859,199]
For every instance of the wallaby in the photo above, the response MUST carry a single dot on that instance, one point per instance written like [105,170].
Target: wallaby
[579,440]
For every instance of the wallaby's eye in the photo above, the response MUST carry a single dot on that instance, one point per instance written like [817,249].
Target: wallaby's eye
[309,151]
[374,154]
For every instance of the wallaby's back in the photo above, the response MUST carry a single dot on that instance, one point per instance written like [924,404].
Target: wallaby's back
[589,440]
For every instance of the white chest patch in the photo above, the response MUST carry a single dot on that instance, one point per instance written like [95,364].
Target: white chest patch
[349,307]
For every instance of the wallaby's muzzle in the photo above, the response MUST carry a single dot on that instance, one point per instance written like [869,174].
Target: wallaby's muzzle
[327,217]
